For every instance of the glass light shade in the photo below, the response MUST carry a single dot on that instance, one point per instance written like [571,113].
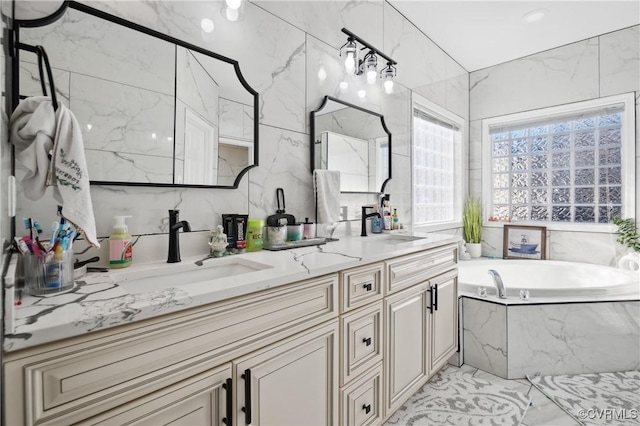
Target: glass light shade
[350,62]
[234,4]
[388,86]
[362,93]
[344,85]
[371,76]
[207,25]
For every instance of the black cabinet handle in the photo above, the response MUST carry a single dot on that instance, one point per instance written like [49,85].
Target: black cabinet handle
[430,307]
[228,386]
[366,408]
[367,341]
[368,286]
[435,306]
[247,396]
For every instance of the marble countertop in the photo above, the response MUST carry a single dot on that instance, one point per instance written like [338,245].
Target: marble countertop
[98,302]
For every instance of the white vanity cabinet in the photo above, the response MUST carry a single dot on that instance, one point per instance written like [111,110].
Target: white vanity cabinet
[290,383]
[109,372]
[361,345]
[420,320]
[347,348]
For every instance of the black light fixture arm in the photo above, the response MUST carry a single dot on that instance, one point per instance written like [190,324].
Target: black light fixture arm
[369,46]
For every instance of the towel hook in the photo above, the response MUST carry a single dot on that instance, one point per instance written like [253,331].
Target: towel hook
[43,58]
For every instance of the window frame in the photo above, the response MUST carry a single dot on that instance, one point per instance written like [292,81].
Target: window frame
[628,157]
[447,116]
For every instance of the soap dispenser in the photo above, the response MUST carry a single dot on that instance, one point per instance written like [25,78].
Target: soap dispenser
[120,248]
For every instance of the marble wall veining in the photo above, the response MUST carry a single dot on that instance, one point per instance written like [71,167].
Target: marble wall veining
[513,341]
[281,46]
[589,69]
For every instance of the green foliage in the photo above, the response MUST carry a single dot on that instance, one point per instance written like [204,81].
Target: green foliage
[627,233]
[472,220]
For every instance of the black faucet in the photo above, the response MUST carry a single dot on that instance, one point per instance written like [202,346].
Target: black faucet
[174,241]
[365,215]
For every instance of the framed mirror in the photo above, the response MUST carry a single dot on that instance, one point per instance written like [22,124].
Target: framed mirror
[154,110]
[354,141]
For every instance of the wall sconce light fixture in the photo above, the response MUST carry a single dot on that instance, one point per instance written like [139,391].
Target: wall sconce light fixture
[368,65]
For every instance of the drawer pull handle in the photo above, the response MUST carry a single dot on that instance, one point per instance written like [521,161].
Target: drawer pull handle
[366,408]
[367,341]
[430,307]
[228,386]
[247,396]
[435,306]
[368,286]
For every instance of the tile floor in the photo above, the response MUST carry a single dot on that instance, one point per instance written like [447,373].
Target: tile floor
[543,412]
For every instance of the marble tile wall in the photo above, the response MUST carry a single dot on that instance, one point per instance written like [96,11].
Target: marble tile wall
[597,67]
[281,47]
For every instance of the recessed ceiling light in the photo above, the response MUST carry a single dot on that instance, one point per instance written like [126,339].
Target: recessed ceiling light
[535,15]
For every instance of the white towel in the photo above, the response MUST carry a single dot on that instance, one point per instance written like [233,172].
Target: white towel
[67,171]
[327,188]
[33,128]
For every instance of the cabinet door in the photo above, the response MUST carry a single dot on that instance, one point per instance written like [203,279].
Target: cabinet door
[204,399]
[406,350]
[444,319]
[290,383]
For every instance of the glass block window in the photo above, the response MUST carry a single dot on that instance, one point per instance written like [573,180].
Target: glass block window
[560,168]
[436,168]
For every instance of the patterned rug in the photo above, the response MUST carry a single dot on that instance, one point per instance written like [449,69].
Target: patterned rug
[595,399]
[456,398]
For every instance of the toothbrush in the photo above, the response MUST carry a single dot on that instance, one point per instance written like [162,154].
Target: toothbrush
[38,233]
[28,225]
[54,231]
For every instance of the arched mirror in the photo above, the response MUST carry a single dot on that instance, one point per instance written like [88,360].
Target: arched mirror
[353,141]
[154,110]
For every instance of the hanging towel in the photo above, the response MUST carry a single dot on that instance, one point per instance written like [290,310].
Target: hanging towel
[327,188]
[66,171]
[33,128]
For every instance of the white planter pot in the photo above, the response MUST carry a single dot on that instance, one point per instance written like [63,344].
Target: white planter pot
[630,262]
[474,249]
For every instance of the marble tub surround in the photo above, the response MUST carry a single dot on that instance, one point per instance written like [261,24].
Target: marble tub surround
[516,340]
[98,301]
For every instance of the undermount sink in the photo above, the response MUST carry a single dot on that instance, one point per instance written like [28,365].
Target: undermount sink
[165,276]
[400,238]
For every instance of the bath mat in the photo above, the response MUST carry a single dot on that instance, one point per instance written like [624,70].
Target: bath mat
[595,398]
[455,398]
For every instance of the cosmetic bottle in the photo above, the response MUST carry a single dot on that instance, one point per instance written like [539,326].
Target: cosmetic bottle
[396,220]
[120,248]
[376,222]
[386,213]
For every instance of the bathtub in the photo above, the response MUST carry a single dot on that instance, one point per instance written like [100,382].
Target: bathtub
[579,318]
[547,278]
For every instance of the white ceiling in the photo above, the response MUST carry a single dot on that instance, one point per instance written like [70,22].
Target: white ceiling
[479,34]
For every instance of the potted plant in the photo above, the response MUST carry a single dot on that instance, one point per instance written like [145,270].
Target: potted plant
[628,236]
[472,226]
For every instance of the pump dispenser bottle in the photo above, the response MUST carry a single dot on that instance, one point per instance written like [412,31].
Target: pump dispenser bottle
[120,249]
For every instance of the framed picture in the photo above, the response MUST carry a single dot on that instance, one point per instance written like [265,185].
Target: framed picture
[524,242]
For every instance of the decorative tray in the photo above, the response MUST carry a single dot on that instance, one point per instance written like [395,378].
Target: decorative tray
[297,244]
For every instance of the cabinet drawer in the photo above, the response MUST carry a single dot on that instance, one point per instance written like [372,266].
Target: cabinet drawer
[360,286]
[361,402]
[199,400]
[361,338]
[72,383]
[408,270]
